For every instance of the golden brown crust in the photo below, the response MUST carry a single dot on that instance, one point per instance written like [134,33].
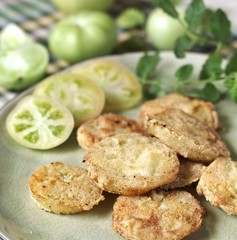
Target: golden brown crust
[189,172]
[105,125]
[167,216]
[65,189]
[131,164]
[204,111]
[187,135]
[218,183]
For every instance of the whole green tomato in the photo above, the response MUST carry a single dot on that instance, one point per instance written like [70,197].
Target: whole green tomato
[74,6]
[162,30]
[82,36]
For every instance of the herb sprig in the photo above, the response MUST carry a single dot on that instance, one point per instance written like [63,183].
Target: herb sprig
[217,33]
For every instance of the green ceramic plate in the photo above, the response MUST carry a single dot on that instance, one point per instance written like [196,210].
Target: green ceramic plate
[20,218]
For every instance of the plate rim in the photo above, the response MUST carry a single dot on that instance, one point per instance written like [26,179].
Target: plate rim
[10,103]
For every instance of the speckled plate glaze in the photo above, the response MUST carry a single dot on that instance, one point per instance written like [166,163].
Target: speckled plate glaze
[20,218]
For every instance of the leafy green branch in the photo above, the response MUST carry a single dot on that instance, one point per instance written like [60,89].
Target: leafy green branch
[217,32]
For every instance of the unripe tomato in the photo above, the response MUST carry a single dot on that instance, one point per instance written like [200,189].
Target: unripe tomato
[82,36]
[74,6]
[162,30]
[23,62]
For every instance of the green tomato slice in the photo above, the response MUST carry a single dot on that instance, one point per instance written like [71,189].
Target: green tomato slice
[39,123]
[23,66]
[84,98]
[121,86]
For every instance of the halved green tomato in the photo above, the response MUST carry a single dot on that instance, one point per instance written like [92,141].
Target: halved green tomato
[23,66]
[84,98]
[22,61]
[13,36]
[40,123]
[121,86]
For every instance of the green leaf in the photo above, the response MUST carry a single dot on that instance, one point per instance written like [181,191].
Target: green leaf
[152,89]
[220,26]
[193,92]
[232,65]
[176,2]
[211,69]
[131,18]
[184,72]
[211,93]
[182,44]
[205,21]
[168,7]
[231,84]
[230,80]
[146,65]
[195,14]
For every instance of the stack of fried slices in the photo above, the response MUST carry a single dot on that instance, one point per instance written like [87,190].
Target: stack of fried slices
[147,164]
